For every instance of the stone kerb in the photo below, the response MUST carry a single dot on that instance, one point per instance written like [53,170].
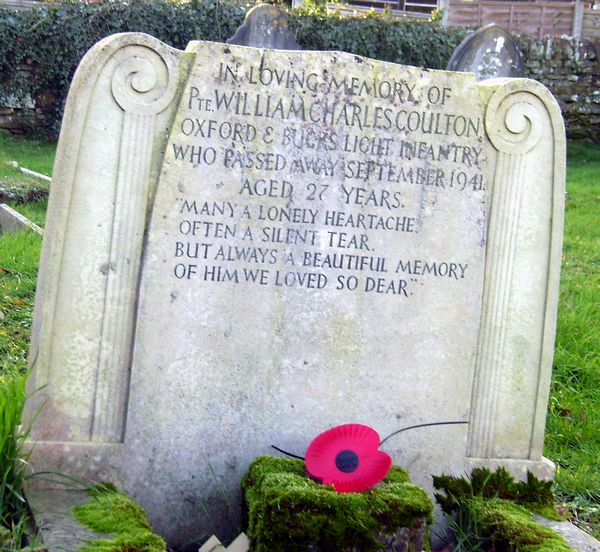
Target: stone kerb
[247,246]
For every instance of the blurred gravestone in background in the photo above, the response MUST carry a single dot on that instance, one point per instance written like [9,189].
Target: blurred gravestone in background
[265,26]
[489,52]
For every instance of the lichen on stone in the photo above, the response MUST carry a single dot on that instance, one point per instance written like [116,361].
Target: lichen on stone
[288,511]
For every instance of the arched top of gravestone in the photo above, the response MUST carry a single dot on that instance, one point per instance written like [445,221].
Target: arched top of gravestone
[489,52]
[265,26]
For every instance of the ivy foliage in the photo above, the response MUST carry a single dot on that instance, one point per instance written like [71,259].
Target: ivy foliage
[51,40]
[422,43]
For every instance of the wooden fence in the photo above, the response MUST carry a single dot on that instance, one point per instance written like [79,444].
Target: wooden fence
[539,18]
[19,4]
[410,8]
[591,24]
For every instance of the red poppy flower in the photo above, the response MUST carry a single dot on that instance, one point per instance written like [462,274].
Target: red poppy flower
[348,458]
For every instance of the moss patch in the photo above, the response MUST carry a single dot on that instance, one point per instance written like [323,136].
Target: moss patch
[287,511]
[512,528]
[110,511]
[493,508]
[535,494]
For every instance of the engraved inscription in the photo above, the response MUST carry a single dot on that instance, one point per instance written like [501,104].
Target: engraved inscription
[329,179]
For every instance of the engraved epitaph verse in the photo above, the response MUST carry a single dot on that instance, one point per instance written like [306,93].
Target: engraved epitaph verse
[331,177]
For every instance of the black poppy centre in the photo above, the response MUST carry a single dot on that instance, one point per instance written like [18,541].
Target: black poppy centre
[346,461]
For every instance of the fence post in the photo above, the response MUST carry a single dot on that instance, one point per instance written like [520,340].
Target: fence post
[578,19]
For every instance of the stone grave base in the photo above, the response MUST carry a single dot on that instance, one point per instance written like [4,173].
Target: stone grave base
[60,531]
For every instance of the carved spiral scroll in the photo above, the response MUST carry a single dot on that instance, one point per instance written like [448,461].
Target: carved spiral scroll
[515,119]
[145,79]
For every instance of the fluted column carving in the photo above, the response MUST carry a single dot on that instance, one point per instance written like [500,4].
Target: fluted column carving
[143,84]
[515,119]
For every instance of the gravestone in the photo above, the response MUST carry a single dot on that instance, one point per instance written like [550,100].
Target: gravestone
[245,247]
[489,52]
[265,26]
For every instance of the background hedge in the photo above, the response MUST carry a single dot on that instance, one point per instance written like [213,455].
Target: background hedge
[51,40]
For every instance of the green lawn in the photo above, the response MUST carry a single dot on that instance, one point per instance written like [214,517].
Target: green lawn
[19,255]
[573,427]
[34,155]
[35,211]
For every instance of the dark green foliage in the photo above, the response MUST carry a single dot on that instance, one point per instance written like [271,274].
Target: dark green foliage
[407,41]
[53,39]
[115,513]
[287,511]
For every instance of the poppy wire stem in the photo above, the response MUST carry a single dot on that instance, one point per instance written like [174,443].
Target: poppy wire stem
[287,453]
[383,440]
[416,426]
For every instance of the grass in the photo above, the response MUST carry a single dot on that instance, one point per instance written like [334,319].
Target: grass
[13,510]
[19,258]
[573,427]
[35,211]
[16,187]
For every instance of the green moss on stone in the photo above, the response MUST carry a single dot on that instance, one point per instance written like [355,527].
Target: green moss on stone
[535,494]
[512,527]
[136,541]
[110,511]
[501,509]
[287,511]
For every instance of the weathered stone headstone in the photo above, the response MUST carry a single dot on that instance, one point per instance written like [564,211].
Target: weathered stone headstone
[489,52]
[265,26]
[245,247]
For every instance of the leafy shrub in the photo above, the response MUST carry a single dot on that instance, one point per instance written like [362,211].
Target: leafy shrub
[379,36]
[52,40]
